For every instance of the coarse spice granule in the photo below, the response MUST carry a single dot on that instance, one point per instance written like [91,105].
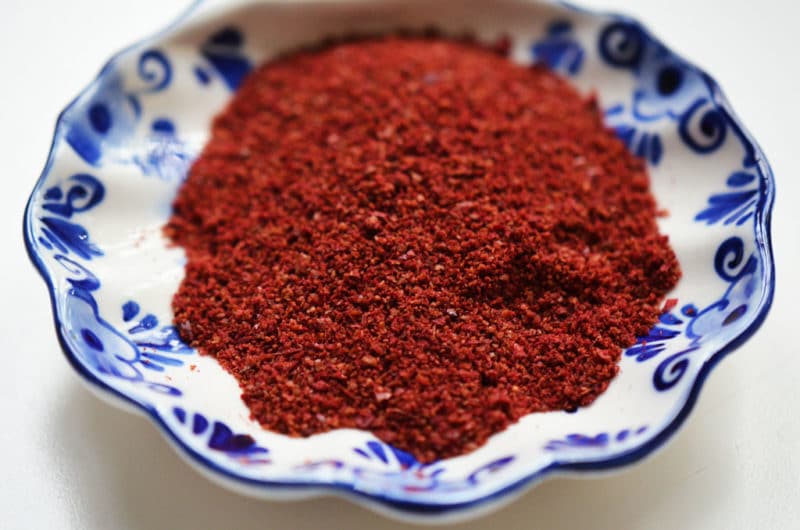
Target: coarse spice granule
[416,237]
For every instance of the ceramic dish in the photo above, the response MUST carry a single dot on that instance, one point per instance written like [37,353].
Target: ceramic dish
[121,149]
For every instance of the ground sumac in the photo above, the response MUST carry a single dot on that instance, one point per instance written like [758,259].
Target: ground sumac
[416,237]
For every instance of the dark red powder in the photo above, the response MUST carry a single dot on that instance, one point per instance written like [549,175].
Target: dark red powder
[418,238]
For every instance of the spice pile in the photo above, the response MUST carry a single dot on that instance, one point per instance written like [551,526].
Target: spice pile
[416,237]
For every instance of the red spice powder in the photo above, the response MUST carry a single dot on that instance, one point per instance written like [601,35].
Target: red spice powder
[418,238]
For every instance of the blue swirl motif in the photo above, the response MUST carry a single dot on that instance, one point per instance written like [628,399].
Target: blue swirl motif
[587,441]
[389,469]
[219,437]
[93,340]
[224,53]
[667,88]
[739,271]
[116,111]
[559,49]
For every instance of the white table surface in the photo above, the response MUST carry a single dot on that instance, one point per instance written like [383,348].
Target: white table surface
[70,461]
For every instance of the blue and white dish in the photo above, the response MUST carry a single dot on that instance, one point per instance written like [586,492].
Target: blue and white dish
[121,149]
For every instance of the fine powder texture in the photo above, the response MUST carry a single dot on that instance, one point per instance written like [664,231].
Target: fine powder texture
[415,237]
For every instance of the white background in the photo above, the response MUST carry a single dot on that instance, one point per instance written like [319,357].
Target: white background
[69,461]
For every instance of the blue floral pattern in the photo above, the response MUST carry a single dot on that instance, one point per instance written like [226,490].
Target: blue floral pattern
[100,345]
[667,88]
[396,469]
[159,347]
[735,206]
[672,107]
[735,268]
[98,134]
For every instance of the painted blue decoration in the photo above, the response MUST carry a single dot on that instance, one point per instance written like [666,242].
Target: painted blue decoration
[671,370]
[115,111]
[53,194]
[85,193]
[154,68]
[642,144]
[737,206]
[703,127]
[154,361]
[163,126]
[79,276]
[202,76]
[652,344]
[105,344]
[70,237]
[85,142]
[100,117]
[738,269]
[559,50]
[729,256]
[667,87]
[733,266]
[377,450]
[598,441]
[739,179]
[382,451]
[129,310]
[480,474]
[223,50]
[167,157]
[159,347]
[730,207]
[222,439]
[408,474]
[109,352]
[199,424]
[148,322]
[622,44]
[91,340]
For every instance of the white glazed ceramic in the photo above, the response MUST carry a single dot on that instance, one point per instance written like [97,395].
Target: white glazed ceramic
[121,149]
